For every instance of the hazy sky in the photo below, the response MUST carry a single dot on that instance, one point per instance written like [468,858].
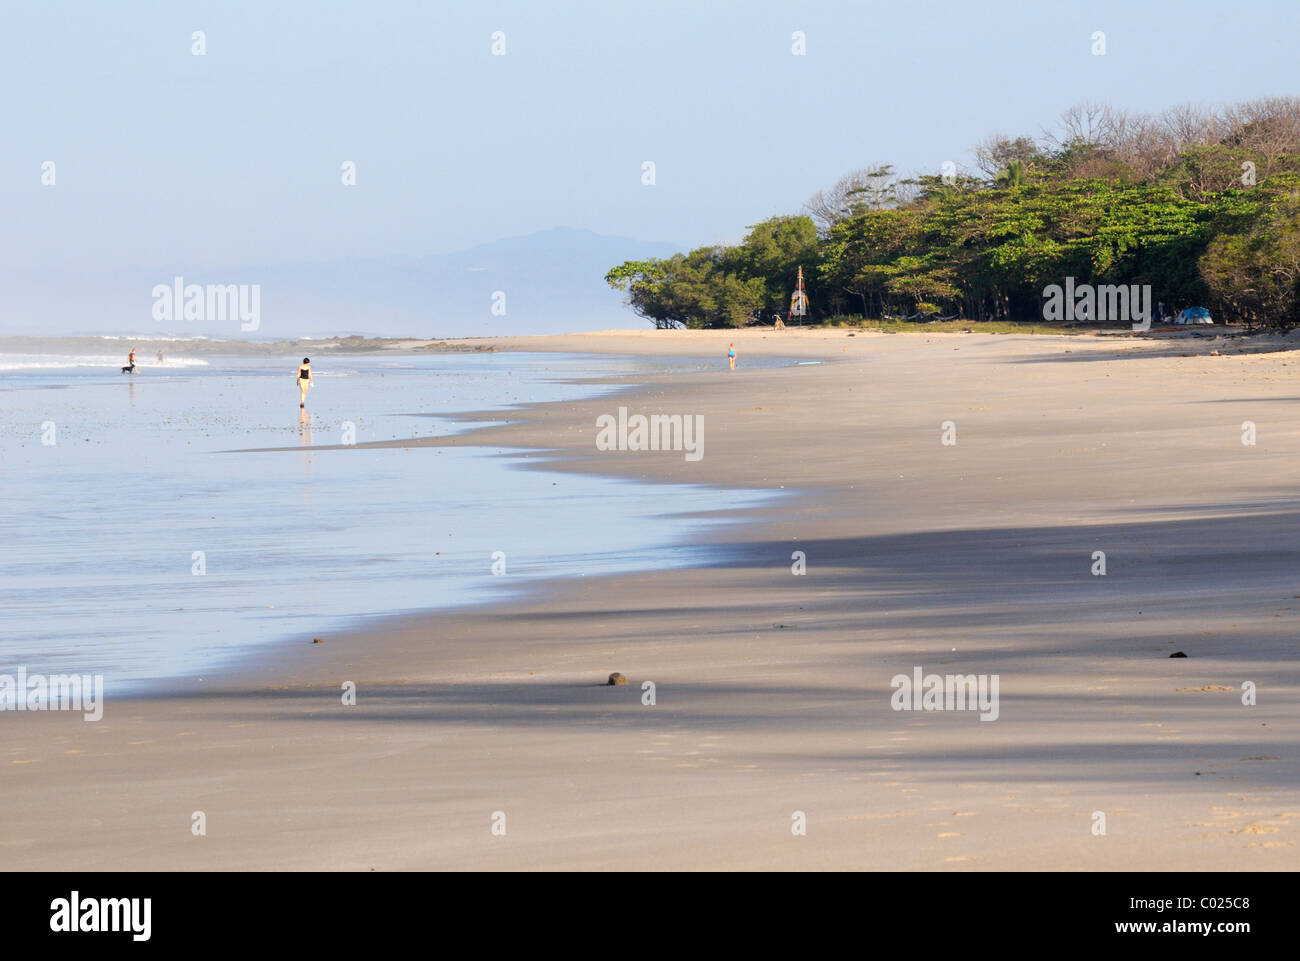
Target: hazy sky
[234,157]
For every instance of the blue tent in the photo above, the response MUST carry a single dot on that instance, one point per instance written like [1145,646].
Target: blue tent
[1193,316]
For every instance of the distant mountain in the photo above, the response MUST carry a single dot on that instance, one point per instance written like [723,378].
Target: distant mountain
[552,281]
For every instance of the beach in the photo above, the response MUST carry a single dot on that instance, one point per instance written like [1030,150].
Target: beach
[948,496]
[165,524]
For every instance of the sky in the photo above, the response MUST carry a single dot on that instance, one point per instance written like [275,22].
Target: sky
[234,157]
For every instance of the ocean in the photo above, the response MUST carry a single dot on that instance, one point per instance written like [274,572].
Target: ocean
[150,530]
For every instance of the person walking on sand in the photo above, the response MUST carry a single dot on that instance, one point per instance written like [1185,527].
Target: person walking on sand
[304,381]
[731,356]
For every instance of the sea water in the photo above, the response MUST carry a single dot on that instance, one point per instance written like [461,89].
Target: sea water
[164,524]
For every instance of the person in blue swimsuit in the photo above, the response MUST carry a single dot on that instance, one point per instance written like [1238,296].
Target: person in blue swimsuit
[731,356]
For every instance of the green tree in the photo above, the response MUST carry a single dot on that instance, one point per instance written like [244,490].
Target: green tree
[1255,276]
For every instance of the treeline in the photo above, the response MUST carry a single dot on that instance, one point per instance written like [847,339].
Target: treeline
[1203,205]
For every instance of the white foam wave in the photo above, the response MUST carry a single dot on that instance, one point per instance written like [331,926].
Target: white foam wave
[66,361]
[150,338]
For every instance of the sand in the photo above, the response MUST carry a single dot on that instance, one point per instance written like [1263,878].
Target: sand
[772,690]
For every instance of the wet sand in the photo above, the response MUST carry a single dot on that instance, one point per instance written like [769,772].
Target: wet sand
[773,689]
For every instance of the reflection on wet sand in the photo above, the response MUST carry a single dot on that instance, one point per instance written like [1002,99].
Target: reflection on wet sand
[309,538]
[305,438]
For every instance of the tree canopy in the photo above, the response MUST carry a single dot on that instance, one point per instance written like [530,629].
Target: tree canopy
[1203,206]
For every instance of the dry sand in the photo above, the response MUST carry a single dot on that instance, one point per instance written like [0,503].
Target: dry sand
[773,690]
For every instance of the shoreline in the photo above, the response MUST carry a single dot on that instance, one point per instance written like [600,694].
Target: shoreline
[773,690]
[243,670]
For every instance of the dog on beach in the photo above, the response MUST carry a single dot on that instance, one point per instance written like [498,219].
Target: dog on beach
[129,370]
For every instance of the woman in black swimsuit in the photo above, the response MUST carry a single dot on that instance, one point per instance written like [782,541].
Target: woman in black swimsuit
[304,381]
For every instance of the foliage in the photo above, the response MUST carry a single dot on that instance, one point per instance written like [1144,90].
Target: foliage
[1200,206]
[1255,275]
